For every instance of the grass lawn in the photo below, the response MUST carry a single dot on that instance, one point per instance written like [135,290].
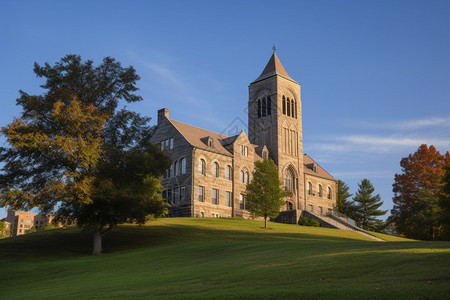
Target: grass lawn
[192,258]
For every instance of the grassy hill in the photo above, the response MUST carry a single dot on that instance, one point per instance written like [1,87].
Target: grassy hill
[221,259]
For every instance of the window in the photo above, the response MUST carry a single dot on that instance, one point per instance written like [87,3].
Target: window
[27,226]
[228,173]
[288,107]
[320,210]
[169,196]
[246,177]
[309,188]
[292,109]
[21,225]
[259,108]
[214,196]
[210,142]
[241,178]
[288,181]
[28,221]
[182,193]
[166,142]
[310,208]
[171,143]
[244,150]
[201,166]
[201,194]
[176,195]
[329,193]
[296,109]
[241,201]
[228,199]
[264,107]
[269,106]
[175,168]
[183,165]
[264,155]
[320,190]
[284,105]
[171,170]
[215,170]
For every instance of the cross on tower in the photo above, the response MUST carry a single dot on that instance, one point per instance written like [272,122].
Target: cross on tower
[274,48]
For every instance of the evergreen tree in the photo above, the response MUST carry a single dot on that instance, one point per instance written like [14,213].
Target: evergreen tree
[265,192]
[444,202]
[344,206]
[367,205]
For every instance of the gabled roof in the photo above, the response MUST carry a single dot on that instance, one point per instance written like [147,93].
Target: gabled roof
[196,137]
[273,67]
[312,168]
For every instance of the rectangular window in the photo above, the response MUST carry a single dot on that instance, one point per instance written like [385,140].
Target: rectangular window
[171,143]
[242,201]
[215,196]
[310,208]
[201,194]
[182,193]
[28,221]
[320,210]
[27,226]
[228,199]
[244,150]
[169,196]
[176,196]
[166,144]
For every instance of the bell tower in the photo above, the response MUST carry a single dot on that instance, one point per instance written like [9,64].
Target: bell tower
[275,120]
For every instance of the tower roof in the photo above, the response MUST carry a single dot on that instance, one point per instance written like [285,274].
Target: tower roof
[273,67]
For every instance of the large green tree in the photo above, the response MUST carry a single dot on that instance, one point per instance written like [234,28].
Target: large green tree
[74,153]
[416,193]
[367,205]
[265,192]
[444,202]
[343,205]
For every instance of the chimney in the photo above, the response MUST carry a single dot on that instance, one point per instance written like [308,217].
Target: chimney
[163,113]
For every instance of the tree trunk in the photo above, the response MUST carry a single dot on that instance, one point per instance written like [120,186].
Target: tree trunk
[265,222]
[97,242]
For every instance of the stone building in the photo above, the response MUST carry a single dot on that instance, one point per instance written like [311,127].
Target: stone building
[21,222]
[210,171]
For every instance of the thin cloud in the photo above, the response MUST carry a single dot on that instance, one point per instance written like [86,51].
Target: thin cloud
[425,123]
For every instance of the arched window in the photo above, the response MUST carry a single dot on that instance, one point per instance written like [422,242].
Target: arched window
[296,109]
[175,168]
[284,105]
[288,181]
[292,110]
[246,177]
[241,178]
[171,170]
[201,166]
[309,188]
[329,193]
[215,170]
[228,173]
[210,142]
[269,106]
[288,107]
[183,165]
[259,108]
[264,107]
[320,190]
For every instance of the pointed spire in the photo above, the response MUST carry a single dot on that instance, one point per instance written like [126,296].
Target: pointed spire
[273,67]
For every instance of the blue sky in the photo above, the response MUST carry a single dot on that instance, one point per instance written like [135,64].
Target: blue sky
[374,74]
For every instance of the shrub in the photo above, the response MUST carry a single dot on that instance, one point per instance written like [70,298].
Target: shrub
[304,221]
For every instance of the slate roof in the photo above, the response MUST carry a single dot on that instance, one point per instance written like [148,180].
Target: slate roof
[273,67]
[308,168]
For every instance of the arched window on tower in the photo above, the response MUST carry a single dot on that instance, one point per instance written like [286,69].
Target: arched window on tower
[292,110]
[320,191]
[296,109]
[284,105]
[264,107]
[288,107]
[329,193]
[259,108]
[269,106]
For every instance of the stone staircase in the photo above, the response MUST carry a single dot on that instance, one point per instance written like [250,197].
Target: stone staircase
[333,221]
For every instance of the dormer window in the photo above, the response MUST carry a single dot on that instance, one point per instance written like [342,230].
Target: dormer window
[210,142]
[264,155]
